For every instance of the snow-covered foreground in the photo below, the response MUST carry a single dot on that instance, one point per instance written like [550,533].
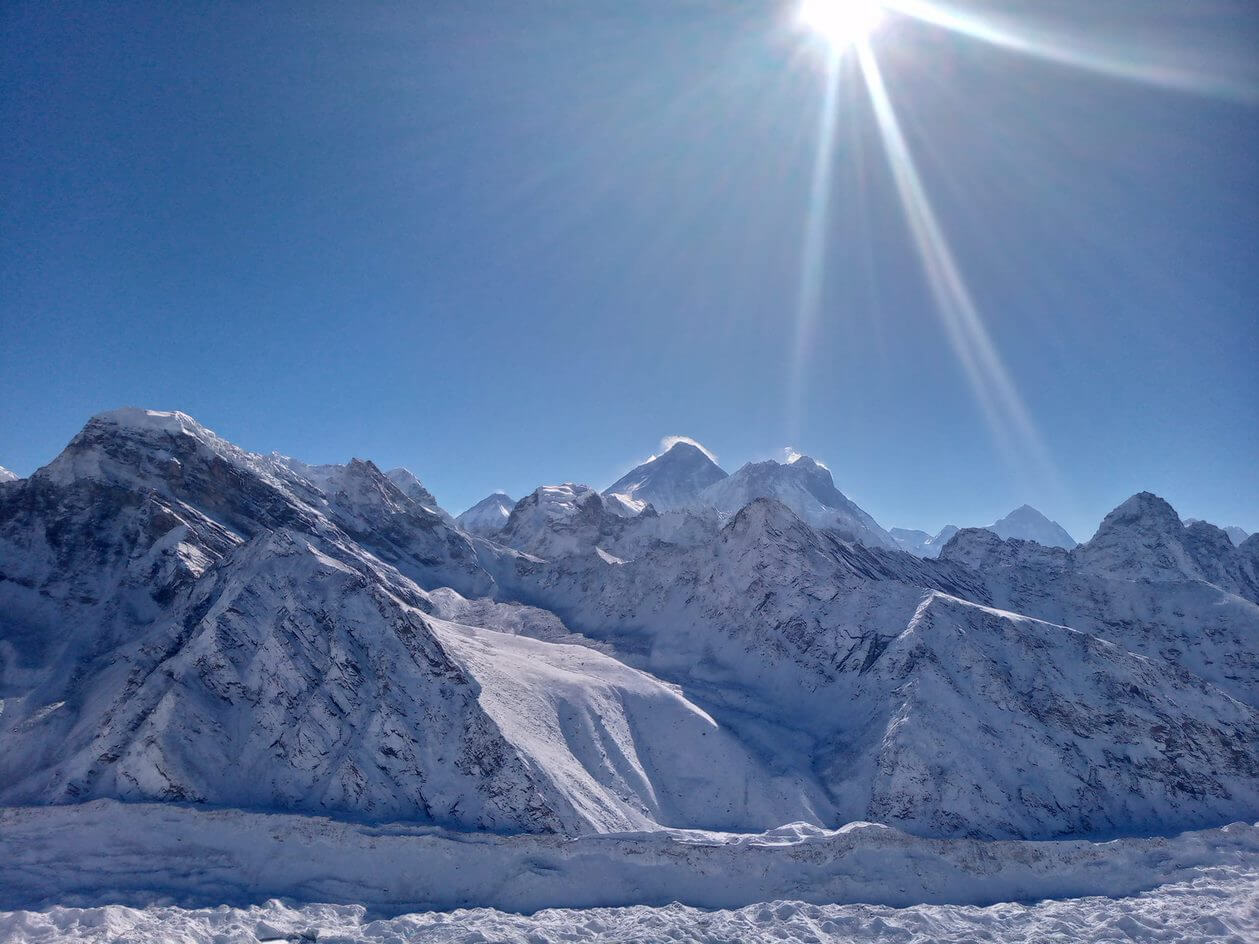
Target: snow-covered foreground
[1218,904]
[105,852]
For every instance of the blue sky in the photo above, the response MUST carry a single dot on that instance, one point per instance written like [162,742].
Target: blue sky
[509,243]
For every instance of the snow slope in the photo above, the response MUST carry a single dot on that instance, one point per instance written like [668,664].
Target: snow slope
[7,476]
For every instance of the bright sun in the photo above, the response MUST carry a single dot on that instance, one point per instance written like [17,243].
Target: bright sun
[841,22]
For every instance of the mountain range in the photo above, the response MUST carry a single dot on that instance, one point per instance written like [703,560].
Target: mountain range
[1024,523]
[182,620]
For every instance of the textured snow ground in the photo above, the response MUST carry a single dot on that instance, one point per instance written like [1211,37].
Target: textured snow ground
[144,855]
[1219,904]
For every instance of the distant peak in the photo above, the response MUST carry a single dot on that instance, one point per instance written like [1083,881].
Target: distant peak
[794,457]
[1031,524]
[684,445]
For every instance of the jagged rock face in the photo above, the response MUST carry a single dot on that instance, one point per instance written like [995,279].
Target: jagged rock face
[284,679]
[988,724]
[414,489]
[807,489]
[1143,539]
[1144,583]
[770,598]
[488,516]
[982,550]
[372,511]
[1235,534]
[560,521]
[880,679]
[671,481]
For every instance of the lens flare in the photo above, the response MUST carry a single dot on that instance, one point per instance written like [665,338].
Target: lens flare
[1012,425]
[813,255]
[842,23]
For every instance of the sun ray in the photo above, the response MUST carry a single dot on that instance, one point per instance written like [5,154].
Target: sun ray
[1008,416]
[1165,66]
[812,263]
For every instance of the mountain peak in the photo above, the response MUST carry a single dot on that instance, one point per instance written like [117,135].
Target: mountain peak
[671,480]
[804,462]
[1029,524]
[1142,508]
[685,448]
[136,418]
[406,482]
[765,515]
[804,486]
[487,516]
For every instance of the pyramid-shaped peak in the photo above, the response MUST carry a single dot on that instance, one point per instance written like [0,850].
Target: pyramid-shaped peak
[1143,507]
[671,480]
[686,448]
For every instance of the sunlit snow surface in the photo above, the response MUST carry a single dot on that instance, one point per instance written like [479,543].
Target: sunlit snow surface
[106,871]
[1220,904]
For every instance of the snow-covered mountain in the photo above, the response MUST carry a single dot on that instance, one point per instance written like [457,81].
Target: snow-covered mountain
[1235,534]
[7,476]
[1028,524]
[910,539]
[1144,539]
[1024,523]
[487,516]
[920,543]
[184,620]
[228,637]
[558,521]
[1144,582]
[672,480]
[818,651]
[414,489]
[806,487]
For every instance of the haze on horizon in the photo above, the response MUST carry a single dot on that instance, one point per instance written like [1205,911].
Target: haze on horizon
[508,245]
